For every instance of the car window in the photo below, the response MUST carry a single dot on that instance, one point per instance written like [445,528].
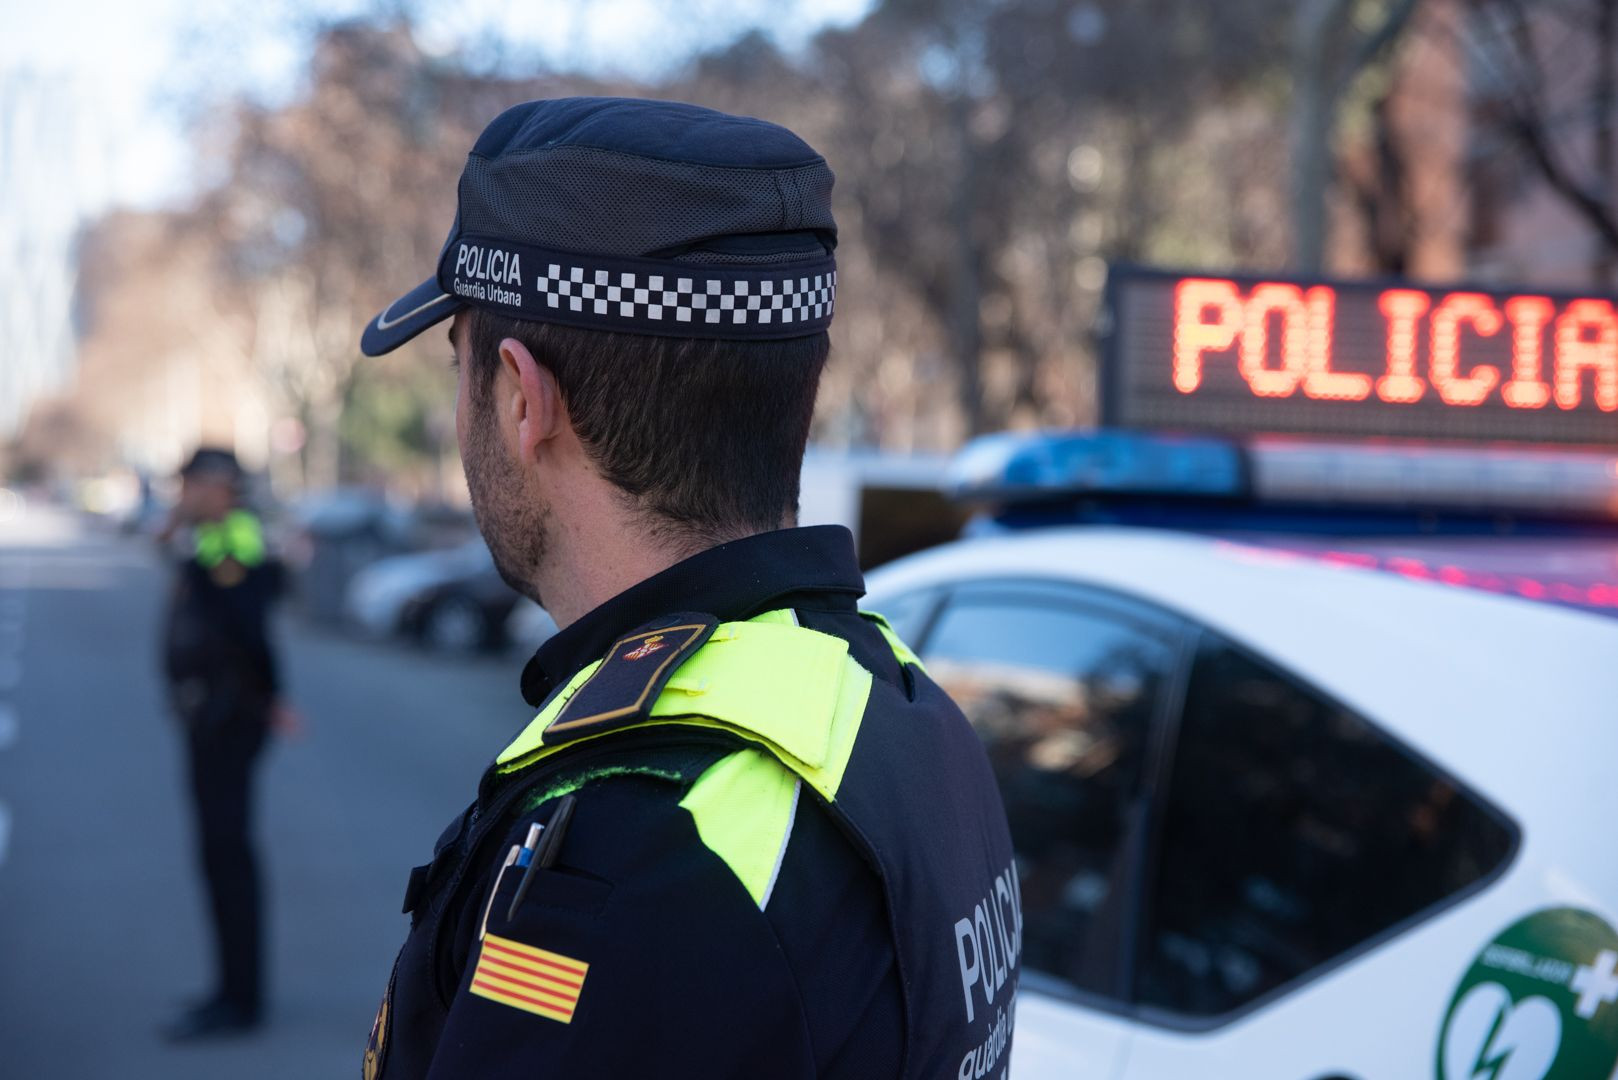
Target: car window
[1294,831]
[1064,699]
[907,613]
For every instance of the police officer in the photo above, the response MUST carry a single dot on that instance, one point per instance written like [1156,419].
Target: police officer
[223,684]
[746,835]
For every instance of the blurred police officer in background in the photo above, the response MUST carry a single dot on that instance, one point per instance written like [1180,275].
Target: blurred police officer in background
[746,835]
[224,686]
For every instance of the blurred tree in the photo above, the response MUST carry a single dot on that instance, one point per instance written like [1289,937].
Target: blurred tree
[992,160]
[396,424]
[323,200]
[1549,89]
[158,370]
[1402,156]
[1334,41]
[997,155]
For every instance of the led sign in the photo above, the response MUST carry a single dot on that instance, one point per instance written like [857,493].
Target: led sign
[1244,354]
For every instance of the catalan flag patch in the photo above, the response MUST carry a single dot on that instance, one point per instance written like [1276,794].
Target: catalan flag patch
[544,983]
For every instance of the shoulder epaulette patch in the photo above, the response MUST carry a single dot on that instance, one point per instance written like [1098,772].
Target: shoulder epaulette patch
[629,680]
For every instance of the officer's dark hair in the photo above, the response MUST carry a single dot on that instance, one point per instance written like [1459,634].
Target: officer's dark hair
[707,437]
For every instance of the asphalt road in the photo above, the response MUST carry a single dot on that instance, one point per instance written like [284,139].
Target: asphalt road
[101,917]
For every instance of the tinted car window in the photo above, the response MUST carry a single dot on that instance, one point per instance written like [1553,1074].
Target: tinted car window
[1064,699]
[1295,830]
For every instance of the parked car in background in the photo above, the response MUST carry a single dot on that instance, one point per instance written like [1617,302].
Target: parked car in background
[452,600]
[333,536]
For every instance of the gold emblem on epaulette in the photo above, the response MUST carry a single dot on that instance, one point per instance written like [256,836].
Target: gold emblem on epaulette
[646,648]
[620,687]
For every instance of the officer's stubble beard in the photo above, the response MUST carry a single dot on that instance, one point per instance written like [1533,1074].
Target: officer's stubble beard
[514,523]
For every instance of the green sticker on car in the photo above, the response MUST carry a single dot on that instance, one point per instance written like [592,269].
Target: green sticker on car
[1540,1002]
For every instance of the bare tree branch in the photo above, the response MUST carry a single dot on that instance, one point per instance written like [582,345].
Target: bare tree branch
[1526,120]
[1378,41]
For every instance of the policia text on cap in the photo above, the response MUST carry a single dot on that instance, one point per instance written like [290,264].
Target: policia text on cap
[776,825]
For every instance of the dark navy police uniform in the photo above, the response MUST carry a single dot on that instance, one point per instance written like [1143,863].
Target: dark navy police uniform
[768,844]
[853,961]
[222,677]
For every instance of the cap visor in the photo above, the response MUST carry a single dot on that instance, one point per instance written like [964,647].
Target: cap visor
[425,305]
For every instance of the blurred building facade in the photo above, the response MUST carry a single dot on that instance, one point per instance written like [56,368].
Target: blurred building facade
[53,169]
[149,390]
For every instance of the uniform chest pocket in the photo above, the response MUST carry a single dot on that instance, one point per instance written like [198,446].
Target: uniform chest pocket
[556,891]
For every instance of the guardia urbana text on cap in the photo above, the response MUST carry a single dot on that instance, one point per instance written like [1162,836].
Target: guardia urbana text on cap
[491,268]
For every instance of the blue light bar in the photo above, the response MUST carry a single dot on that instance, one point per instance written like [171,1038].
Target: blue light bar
[1019,467]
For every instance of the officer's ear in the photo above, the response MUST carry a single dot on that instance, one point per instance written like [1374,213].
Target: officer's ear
[536,410]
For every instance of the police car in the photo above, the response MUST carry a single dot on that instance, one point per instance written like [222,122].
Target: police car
[1289,801]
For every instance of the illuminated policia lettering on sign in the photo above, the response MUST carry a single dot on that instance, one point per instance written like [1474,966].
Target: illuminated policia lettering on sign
[1212,314]
[1356,358]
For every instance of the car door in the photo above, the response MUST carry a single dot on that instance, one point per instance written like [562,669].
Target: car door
[1069,689]
[1309,878]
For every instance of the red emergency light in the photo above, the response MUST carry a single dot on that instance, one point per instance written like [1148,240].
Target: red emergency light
[1246,354]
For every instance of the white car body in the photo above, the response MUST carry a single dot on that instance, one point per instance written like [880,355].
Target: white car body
[1518,700]
[377,595]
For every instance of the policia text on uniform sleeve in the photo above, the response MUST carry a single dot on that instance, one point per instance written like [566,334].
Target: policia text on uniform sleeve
[786,855]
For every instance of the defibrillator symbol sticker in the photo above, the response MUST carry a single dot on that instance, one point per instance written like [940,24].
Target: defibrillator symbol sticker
[1540,1002]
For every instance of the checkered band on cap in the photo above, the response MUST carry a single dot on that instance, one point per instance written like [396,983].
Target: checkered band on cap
[641,295]
[705,300]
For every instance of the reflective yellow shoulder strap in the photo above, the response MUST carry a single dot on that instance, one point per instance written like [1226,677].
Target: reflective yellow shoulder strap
[237,536]
[900,650]
[793,692]
[744,807]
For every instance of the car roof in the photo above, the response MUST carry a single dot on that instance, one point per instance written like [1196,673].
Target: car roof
[1519,699]
[1576,571]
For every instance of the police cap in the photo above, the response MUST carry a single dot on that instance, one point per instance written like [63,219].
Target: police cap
[647,217]
[212,462]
